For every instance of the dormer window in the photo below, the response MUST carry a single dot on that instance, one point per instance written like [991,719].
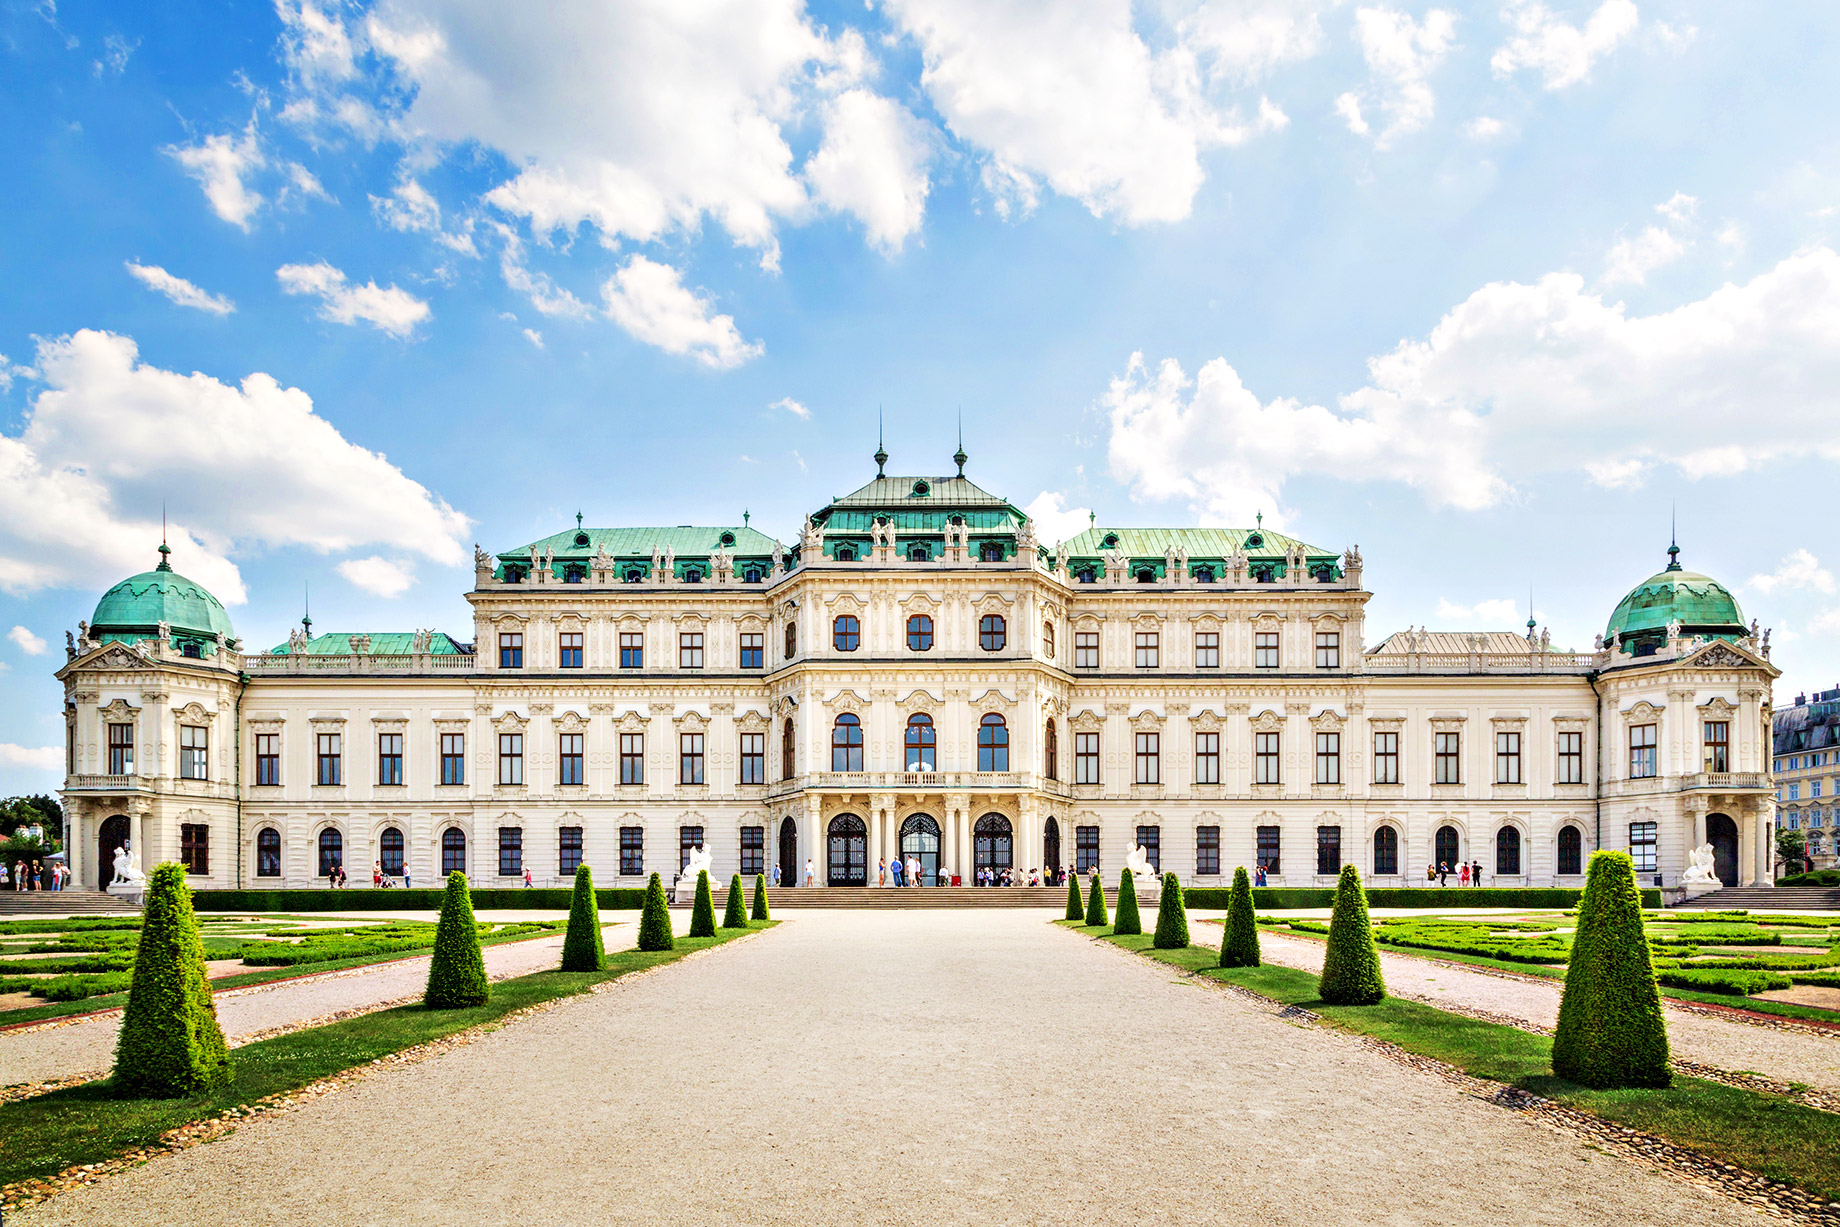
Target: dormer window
[990,551]
[727,538]
[921,489]
[191,649]
[633,575]
[581,538]
[1146,575]
[1204,575]
[1111,541]
[918,553]
[693,576]
[1254,541]
[1324,573]
[1265,574]
[846,553]
[1086,575]
[573,574]
[751,576]
[514,575]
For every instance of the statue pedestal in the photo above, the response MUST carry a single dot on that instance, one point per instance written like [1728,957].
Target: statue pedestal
[685,891]
[133,892]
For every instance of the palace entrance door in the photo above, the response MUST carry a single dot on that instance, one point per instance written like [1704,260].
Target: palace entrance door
[109,839]
[920,839]
[788,853]
[1050,850]
[1722,834]
[992,844]
[848,858]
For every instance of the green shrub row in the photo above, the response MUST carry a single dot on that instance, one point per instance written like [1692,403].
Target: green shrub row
[1216,898]
[1820,877]
[113,960]
[1730,983]
[1540,950]
[10,927]
[1816,979]
[621,898]
[70,988]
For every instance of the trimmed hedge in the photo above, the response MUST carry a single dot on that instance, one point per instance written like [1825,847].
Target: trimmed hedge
[457,971]
[1171,918]
[703,911]
[1074,910]
[1611,1030]
[760,898]
[734,915]
[623,898]
[1127,921]
[1731,983]
[1351,964]
[1239,946]
[170,1044]
[655,921]
[582,947]
[1820,877]
[1217,898]
[1095,903]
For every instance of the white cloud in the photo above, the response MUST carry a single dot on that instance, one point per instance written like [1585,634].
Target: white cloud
[1401,54]
[378,575]
[1483,615]
[115,53]
[534,337]
[1562,53]
[1826,622]
[242,466]
[1484,128]
[221,164]
[40,758]
[1517,379]
[791,406]
[545,295]
[412,208]
[1630,261]
[873,164]
[1055,522]
[1798,569]
[179,289]
[390,310]
[26,641]
[649,300]
[1244,41]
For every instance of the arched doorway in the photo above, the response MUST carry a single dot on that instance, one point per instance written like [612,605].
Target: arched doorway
[848,861]
[788,849]
[1447,849]
[992,844]
[109,839]
[920,838]
[1722,834]
[1050,846]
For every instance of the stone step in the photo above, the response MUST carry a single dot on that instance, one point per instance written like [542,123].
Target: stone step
[73,902]
[910,897]
[1788,898]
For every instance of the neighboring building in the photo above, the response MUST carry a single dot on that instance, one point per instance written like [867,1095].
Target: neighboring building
[917,674]
[1807,767]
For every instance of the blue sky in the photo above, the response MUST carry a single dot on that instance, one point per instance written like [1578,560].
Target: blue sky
[1486,289]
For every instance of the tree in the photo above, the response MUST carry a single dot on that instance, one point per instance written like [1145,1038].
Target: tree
[35,810]
[170,1043]
[457,972]
[760,897]
[1791,851]
[1127,921]
[1074,910]
[1095,904]
[1171,917]
[1611,1030]
[1351,965]
[655,919]
[734,916]
[1239,947]
[703,911]
[582,947]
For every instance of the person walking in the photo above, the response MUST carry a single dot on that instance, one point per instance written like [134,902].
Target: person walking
[332,877]
[811,873]
[776,875]
[1463,873]
[1443,873]
[376,875]
[527,877]
[914,873]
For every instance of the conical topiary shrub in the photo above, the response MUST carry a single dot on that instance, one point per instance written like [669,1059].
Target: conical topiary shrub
[1351,965]
[1239,947]
[1074,909]
[1611,1030]
[1171,916]
[1127,920]
[760,898]
[703,911]
[582,948]
[734,915]
[170,1043]
[1095,903]
[457,972]
[655,919]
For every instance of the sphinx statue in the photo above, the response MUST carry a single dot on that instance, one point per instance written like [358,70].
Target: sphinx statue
[1699,868]
[1138,864]
[700,861]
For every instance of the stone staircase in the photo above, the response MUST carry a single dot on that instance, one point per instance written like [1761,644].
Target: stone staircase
[918,897]
[29,903]
[1749,898]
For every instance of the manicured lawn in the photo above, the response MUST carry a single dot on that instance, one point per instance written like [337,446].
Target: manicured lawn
[43,1136]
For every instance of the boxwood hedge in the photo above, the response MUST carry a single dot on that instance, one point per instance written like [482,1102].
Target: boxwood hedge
[1216,898]
[624,898]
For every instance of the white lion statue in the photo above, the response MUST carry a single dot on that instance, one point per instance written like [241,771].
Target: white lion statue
[128,868]
[1699,868]
[1138,864]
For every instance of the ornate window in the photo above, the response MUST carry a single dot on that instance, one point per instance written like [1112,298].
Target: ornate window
[632,851]
[1328,649]
[1328,758]
[919,633]
[568,850]
[1265,649]
[574,573]
[1386,852]
[390,759]
[195,847]
[693,575]
[847,743]
[121,749]
[453,758]
[1085,757]
[1328,851]
[510,851]
[1086,649]
[846,633]
[846,553]
[268,853]
[1207,758]
[753,850]
[570,755]
[1642,836]
[753,650]
[632,649]
[1507,852]
[1149,649]
[632,758]
[390,851]
[688,840]
[689,758]
[511,650]
[194,752]
[329,760]
[1386,757]
[1571,758]
[993,743]
[1718,745]
[753,758]
[511,758]
[1207,851]
[1447,749]
[1446,847]
[1086,575]
[1207,649]
[787,751]
[1146,575]
[331,851]
[1507,761]
[1047,640]
[917,552]
[990,551]
[1267,845]
[992,632]
[1641,751]
[792,640]
[1051,750]
[1086,849]
[1149,758]
[1150,839]
[921,743]
[1204,575]
[268,758]
[1571,851]
[1266,759]
[568,649]
[690,650]
[634,575]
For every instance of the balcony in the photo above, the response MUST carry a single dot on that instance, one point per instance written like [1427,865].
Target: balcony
[920,781]
[167,785]
[426,664]
[1726,781]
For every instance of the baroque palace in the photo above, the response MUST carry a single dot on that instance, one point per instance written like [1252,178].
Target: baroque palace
[916,675]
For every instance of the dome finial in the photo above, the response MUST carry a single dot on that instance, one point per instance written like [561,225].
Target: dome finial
[1673,538]
[306,602]
[959,455]
[165,550]
[881,453]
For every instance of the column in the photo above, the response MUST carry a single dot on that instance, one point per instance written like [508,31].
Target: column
[1760,819]
[1748,845]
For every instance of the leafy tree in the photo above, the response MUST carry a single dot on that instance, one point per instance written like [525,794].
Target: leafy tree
[1095,903]
[1791,850]
[457,972]
[655,919]
[703,911]
[1074,910]
[1127,921]
[734,916]
[1351,965]
[1239,947]
[170,1044]
[1611,1030]
[1171,916]
[760,897]
[582,947]
[36,810]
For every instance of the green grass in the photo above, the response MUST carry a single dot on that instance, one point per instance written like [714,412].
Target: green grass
[43,1136]
[1768,1134]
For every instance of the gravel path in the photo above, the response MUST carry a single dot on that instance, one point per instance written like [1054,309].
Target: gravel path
[1788,1056]
[898,1067]
[87,1048]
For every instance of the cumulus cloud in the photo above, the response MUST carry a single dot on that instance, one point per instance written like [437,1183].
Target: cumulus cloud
[179,290]
[1560,52]
[1055,522]
[245,466]
[872,164]
[1483,615]
[378,575]
[386,309]
[649,300]
[1631,260]
[791,406]
[412,208]
[1244,41]
[38,758]
[26,641]
[1798,569]
[1401,54]
[1484,128]
[541,292]
[222,164]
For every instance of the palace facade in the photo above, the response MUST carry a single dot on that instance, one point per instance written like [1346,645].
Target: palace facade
[916,674]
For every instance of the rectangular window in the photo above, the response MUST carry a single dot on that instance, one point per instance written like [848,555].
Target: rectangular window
[268,758]
[690,650]
[389,758]
[511,758]
[632,649]
[1571,758]
[511,650]
[1207,851]
[1207,649]
[195,847]
[1086,849]
[1641,751]
[194,752]
[689,758]
[1328,758]
[753,758]
[1149,649]
[121,749]
[1268,848]
[632,758]
[1448,751]
[570,752]
[1207,758]
[1328,851]
[1386,758]
[1642,845]
[1085,758]
[568,850]
[753,650]
[753,850]
[1508,758]
[1328,649]
[1149,756]
[1086,649]
[510,851]
[1265,758]
[1150,839]
[1718,745]
[331,761]
[632,851]
[688,839]
[568,650]
[1265,649]
[453,758]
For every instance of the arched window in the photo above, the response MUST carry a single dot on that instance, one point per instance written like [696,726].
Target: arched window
[787,757]
[992,632]
[1051,747]
[1047,640]
[990,551]
[633,575]
[692,576]
[921,743]
[920,633]
[917,552]
[992,843]
[1446,847]
[792,640]
[846,553]
[1146,575]
[1386,851]
[390,851]
[847,744]
[846,633]
[268,853]
[1508,852]
[1086,575]
[1204,575]
[331,850]
[993,743]
[453,851]
[1571,851]
[574,574]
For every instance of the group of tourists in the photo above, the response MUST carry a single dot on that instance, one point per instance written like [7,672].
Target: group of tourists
[34,875]
[899,872]
[381,880]
[1466,874]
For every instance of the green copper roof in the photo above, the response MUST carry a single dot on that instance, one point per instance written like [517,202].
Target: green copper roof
[684,540]
[134,608]
[913,493]
[1700,604]
[1199,542]
[383,643]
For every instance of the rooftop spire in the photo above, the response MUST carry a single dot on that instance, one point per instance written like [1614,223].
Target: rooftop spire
[165,550]
[746,517]
[959,455]
[1673,541]
[306,600]
[881,453]
[578,520]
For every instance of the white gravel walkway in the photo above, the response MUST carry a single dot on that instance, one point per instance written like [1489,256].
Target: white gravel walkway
[898,1067]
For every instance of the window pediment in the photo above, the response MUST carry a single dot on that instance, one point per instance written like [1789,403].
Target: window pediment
[1328,619]
[844,603]
[501,617]
[994,700]
[118,711]
[1205,720]
[1147,620]
[510,722]
[919,603]
[752,721]
[1086,720]
[692,722]
[1642,713]
[993,602]
[193,713]
[848,701]
[1717,708]
[1327,721]
[919,701]
[692,621]
[571,722]
[325,717]
[1146,721]
[1268,721]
